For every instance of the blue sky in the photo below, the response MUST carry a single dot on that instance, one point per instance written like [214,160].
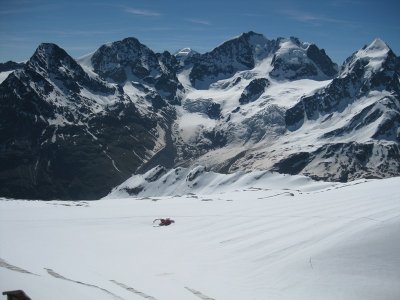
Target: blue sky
[339,26]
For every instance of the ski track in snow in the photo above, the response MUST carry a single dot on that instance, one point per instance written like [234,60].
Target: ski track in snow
[131,289]
[198,294]
[6,265]
[56,275]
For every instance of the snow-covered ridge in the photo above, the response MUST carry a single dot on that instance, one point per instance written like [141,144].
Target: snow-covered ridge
[372,56]
[290,59]
[197,180]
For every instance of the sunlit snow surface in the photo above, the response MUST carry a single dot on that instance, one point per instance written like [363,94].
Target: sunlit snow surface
[289,238]
[4,75]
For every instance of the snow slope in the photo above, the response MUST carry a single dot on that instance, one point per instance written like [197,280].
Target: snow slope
[288,238]
[333,120]
[374,54]
[241,125]
[4,75]
[197,180]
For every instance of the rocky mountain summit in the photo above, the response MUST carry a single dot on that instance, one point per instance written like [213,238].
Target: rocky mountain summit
[66,133]
[74,129]
[290,59]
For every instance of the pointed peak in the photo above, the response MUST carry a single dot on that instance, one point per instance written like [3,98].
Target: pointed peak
[49,49]
[378,44]
[369,59]
[48,46]
[377,49]
[185,52]
[47,52]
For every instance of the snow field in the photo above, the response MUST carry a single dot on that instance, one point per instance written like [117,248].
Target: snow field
[313,241]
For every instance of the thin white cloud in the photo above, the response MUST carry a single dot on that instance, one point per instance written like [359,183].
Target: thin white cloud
[199,21]
[307,17]
[142,12]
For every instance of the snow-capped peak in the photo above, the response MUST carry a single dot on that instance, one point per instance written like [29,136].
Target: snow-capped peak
[295,59]
[377,44]
[50,58]
[47,48]
[46,52]
[183,52]
[377,50]
[249,39]
[291,46]
[120,59]
[371,57]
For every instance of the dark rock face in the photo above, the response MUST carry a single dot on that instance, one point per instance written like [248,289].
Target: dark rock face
[292,60]
[336,95]
[345,89]
[344,162]
[121,59]
[53,64]
[294,164]
[296,60]
[389,129]
[353,160]
[321,60]
[204,106]
[386,108]
[186,55]
[167,84]
[156,101]
[10,66]
[254,90]
[58,144]
[155,174]
[129,60]
[214,111]
[371,73]
[232,56]
[196,172]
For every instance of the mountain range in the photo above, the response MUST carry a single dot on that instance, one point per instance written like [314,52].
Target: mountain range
[76,128]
